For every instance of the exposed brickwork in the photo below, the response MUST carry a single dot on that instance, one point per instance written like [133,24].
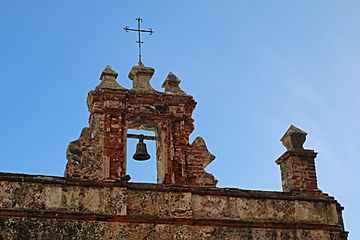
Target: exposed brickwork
[100,152]
[298,171]
[199,157]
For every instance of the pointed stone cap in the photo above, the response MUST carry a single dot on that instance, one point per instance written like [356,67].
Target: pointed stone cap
[108,79]
[140,76]
[171,85]
[294,139]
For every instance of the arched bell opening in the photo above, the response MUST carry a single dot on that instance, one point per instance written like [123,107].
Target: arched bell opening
[141,170]
[144,138]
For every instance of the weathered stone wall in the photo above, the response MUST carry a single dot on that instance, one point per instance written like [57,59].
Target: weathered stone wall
[38,207]
[99,230]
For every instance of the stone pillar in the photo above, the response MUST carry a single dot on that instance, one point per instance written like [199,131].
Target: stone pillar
[297,164]
[99,152]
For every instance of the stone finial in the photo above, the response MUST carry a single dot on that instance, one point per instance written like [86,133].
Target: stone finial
[297,164]
[294,139]
[171,85]
[108,79]
[141,75]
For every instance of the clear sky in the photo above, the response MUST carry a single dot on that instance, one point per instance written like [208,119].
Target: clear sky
[254,67]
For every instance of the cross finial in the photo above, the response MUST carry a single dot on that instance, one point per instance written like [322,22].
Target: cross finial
[139,30]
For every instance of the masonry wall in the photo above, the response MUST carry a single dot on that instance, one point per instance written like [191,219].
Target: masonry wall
[39,207]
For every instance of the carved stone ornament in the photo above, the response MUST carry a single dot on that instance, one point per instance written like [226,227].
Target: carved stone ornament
[171,85]
[140,76]
[108,79]
[294,139]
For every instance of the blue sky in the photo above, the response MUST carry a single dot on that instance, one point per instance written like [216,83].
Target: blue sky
[254,67]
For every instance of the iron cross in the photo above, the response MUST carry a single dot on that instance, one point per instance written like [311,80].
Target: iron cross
[139,30]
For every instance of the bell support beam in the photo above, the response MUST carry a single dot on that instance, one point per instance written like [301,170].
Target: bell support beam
[140,136]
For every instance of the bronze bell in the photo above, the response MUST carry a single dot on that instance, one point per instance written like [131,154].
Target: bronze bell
[141,153]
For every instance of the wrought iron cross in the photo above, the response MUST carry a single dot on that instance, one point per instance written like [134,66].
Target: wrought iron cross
[139,30]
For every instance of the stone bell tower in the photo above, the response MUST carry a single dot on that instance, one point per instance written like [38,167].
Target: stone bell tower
[100,151]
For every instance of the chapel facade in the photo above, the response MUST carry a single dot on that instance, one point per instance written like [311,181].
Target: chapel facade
[97,200]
